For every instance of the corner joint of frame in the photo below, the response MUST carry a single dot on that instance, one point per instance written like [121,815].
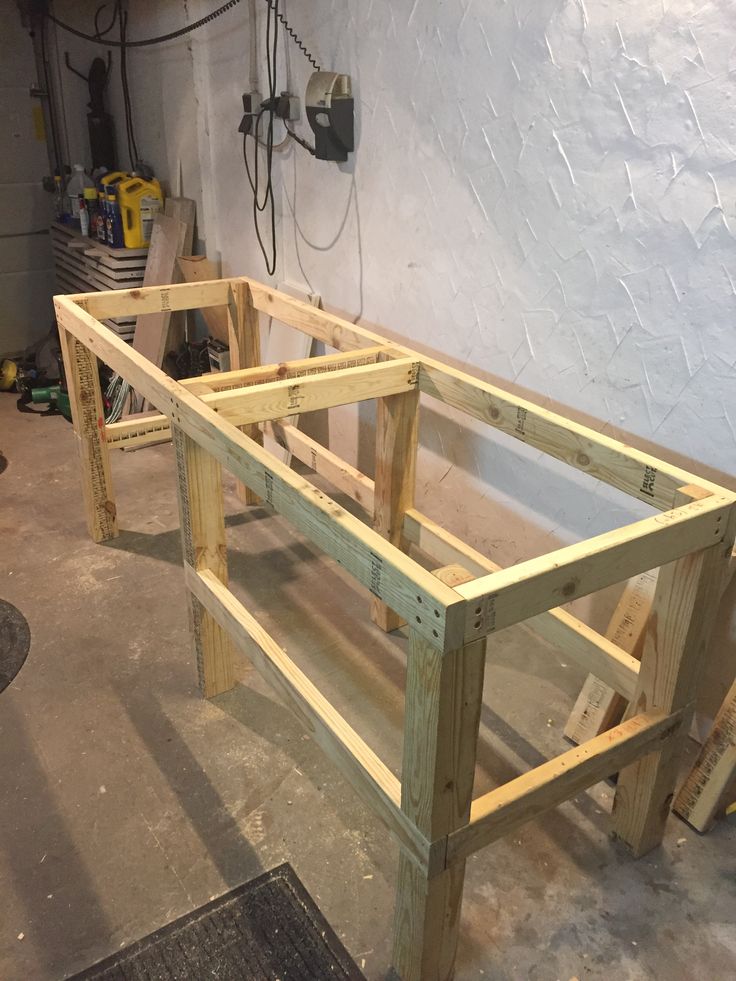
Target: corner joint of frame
[436,862]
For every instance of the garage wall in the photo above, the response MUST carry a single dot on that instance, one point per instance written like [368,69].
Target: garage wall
[26,312]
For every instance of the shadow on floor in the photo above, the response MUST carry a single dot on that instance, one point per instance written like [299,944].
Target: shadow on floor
[209,817]
[61,908]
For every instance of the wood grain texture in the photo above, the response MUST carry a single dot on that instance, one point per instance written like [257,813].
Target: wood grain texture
[202,520]
[678,629]
[502,811]
[444,696]
[244,338]
[520,592]
[199,269]
[397,433]
[168,240]
[88,415]
[135,429]
[375,563]
[599,704]
[714,772]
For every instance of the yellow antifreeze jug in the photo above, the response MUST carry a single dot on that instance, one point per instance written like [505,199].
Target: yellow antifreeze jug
[114,178]
[139,201]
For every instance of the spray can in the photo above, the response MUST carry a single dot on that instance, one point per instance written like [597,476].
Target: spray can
[101,228]
[90,203]
[113,222]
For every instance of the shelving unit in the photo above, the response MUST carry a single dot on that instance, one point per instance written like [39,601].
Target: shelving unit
[82,264]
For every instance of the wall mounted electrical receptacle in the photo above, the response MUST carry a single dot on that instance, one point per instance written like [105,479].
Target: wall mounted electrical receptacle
[251,108]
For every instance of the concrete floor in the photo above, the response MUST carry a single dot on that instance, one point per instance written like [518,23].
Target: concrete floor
[127,800]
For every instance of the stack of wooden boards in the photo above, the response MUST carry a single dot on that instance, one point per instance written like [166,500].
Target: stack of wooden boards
[83,265]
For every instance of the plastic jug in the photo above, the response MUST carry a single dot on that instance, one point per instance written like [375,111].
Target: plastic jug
[75,189]
[139,201]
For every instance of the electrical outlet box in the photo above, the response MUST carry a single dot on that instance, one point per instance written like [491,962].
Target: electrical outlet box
[287,107]
[251,108]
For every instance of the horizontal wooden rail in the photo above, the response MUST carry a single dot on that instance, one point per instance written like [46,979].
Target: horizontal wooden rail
[632,471]
[220,381]
[636,473]
[154,299]
[501,811]
[558,627]
[370,777]
[436,610]
[146,428]
[503,598]
[274,400]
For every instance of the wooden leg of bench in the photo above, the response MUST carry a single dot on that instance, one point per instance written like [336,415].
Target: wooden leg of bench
[245,352]
[444,695]
[397,424]
[203,539]
[677,633]
[88,415]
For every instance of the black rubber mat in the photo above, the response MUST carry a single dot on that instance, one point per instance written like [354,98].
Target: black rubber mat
[266,930]
[15,642]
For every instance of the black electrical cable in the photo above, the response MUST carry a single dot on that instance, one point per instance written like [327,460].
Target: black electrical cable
[55,139]
[98,33]
[267,107]
[300,141]
[182,31]
[295,38]
[127,106]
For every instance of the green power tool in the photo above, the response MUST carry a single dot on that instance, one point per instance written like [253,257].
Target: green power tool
[54,396]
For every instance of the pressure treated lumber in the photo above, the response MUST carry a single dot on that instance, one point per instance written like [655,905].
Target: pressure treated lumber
[502,811]
[202,520]
[714,771]
[430,810]
[147,428]
[444,696]
[558,627]
[244,338]
[677,632]
[88,416]
[515,594]
[633,471]
[384,569]
[599,706]
[397,433]
[371,778]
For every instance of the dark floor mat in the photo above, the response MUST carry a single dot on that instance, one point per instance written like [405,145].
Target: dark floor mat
[15,642]
[266,930]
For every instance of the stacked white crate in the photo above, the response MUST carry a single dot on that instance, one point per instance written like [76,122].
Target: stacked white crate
[83,265]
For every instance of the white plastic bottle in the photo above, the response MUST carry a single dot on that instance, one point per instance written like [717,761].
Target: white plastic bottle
[75,189]
[83,217]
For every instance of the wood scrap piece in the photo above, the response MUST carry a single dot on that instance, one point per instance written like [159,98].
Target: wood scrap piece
[599,707]
[185,210]
[168,240]
[714,771]
[198,269]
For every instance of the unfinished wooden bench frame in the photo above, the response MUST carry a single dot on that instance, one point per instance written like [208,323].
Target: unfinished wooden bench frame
[216,420]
